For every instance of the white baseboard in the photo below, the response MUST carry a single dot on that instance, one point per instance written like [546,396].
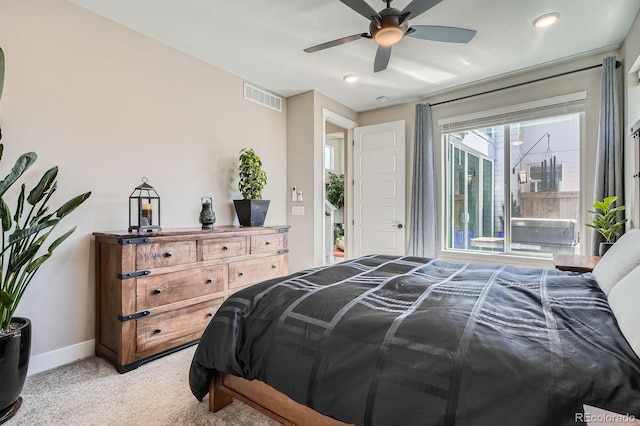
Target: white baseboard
[62,356]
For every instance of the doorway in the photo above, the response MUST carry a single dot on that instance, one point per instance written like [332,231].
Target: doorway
[337,132]
[334,201]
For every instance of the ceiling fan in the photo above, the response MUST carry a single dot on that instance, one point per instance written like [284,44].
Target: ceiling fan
[390,25]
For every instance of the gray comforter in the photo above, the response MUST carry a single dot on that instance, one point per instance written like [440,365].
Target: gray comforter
[384,340]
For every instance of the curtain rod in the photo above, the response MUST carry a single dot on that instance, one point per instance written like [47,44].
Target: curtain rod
[618,63]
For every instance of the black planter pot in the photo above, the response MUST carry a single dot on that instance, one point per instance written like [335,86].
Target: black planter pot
[251,212]
[15,350]
[602,249]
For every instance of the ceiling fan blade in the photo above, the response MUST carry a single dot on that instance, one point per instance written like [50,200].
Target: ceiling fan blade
[418,7]
[382,58]
[337,42]
[362,8]
[438,33]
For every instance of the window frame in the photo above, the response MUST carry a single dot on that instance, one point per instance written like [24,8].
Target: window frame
[505,116]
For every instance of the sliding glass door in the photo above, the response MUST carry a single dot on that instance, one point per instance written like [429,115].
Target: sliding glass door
[469,202]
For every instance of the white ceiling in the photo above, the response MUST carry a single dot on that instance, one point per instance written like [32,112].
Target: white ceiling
[262,41]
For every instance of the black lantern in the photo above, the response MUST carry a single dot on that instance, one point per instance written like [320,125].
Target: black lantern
[144,209]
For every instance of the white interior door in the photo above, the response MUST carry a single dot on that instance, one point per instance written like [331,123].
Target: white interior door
[379,189]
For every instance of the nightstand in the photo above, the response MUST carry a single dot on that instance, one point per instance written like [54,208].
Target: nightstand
[575,262]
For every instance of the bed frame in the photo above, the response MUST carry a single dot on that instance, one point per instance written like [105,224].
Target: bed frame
[278,406]
[264,398]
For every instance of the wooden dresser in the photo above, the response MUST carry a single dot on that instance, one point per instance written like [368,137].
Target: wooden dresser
[156,292]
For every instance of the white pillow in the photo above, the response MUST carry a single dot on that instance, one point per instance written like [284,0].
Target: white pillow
[619,260]
[623,300]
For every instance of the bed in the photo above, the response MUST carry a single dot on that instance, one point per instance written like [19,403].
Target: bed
[385,340]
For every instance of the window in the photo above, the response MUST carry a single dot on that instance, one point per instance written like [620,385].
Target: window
[512,182]
[328,157]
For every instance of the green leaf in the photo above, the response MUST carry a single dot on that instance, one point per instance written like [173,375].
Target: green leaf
[24,233]
[22,164]
[60,239]
[72,204]
[35,264]
[6,215]
[19,204]
[5,299]
[43,186]
[16,262]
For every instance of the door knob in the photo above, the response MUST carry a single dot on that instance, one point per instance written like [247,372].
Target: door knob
[399,226]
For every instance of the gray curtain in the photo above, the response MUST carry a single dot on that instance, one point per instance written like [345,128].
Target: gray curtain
[422,233]
[609,160]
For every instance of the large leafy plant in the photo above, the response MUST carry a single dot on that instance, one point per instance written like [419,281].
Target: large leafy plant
[252,177]
[25,232]
[335,189]
[606,218]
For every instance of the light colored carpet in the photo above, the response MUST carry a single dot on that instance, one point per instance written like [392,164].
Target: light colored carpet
[92,392]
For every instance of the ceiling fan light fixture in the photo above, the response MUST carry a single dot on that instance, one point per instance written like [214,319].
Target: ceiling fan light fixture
[388,35]
[545,20]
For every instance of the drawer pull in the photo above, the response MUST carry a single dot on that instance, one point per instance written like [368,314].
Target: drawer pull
[240,274]
[157,291]
[209,281]
[209,314]
[168,254]
[157,331]
[266,243]
[273,266]
[225,248]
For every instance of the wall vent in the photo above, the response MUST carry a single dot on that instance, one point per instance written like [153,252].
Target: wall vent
[259,96]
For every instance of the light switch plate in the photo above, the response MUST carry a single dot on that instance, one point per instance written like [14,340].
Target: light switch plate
[297,211]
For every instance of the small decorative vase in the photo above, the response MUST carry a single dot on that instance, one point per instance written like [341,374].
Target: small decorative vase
[207,216]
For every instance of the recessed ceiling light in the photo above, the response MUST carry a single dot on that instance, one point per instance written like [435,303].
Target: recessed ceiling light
[350,78]
[545,20]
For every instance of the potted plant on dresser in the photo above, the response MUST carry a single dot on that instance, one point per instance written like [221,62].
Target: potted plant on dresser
[25,248]
[607,222]
[252,209]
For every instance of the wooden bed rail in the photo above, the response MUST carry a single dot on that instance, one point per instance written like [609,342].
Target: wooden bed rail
[264,398]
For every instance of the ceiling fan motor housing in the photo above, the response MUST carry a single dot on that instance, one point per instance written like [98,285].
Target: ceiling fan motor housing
[390,31]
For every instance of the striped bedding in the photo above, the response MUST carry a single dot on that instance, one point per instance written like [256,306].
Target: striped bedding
[388,340]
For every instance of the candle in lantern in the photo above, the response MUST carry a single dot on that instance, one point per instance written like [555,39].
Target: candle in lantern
[146,211]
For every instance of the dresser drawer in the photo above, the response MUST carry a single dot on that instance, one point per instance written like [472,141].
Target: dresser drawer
[175,327]
[155,255]
[228,247]
[253,271]
[158,290]
[267,243]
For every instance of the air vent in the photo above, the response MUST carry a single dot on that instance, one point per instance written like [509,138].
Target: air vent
[259,96]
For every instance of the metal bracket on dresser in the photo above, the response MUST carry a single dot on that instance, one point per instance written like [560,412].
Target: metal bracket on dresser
[123,318]
[282,251]
[125,241]
[282,230]
[133,274]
